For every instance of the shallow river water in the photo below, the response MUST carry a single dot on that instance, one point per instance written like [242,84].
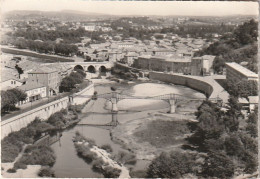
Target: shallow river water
[68,164]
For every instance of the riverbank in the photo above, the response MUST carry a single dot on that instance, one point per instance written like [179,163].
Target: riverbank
[100,158]
[144,136]
[21,149]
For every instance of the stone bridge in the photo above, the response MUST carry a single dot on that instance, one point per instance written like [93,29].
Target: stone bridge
[91,67]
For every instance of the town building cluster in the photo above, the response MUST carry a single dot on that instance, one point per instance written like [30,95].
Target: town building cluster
[37,80]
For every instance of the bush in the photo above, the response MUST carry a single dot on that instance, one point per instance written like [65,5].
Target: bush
[125,158]
[39,155]
[98,164]
[19,165]
[138,174]
[11,170]
[110,172]
[107,148]
[85,153]
[46,172]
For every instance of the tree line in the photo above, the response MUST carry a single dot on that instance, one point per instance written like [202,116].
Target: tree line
[46,47]
[218,146]
[238,46]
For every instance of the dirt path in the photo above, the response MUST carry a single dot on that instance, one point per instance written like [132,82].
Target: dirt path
[30,172]
[105,156]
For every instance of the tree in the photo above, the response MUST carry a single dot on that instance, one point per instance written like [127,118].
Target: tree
[10,97]
[170,165]
[67,84]
[218,164]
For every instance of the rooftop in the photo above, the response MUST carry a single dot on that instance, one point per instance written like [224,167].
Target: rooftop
[30,86]
[242,70]
[43,69]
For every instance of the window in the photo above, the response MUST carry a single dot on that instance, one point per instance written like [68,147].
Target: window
[14,82]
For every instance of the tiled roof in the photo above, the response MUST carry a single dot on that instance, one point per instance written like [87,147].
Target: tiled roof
[30,86]
[43,69]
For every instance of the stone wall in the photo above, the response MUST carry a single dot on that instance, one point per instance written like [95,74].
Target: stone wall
[83,96]
[22,120]
[47,58]
[44,112]
[188,81]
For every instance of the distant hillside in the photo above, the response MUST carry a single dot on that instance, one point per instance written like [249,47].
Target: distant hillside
[238,46]
[64,15]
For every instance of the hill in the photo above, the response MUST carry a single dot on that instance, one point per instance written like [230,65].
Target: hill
[64,15]
[238,46]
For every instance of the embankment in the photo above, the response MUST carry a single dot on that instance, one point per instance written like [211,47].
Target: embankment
[189,81]
[47,58]
[44,112]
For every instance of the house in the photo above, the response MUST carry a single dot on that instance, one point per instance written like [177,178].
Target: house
[8,81]
[34,91]
[49,77]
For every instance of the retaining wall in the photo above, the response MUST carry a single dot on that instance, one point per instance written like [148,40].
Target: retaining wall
[44,112]
[48,58]
[188,81]
[22,120]
[78,99]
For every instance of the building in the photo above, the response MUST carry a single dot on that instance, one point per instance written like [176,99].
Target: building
[253,102]
[9,81]
[129,58]
[49,77]
[202,65]
[173,64]
[34,91]
[115,56]
[163,51]
[236,72]
[90,28]
[63,69]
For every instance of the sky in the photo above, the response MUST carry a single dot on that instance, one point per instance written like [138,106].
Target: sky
[196,8]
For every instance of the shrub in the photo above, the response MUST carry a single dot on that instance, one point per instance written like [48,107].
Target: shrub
[64,111]
[11,170]
[85,153]
[46,172]
[97,165]
[40,155]
[138,174]
[110,172]
[19,165]
[125,158]
[107,148]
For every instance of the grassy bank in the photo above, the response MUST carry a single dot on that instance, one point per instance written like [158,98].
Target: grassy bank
[170,135]
[38,151]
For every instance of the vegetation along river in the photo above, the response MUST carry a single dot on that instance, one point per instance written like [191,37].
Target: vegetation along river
[68,164]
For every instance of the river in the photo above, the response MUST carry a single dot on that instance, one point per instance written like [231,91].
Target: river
[69,165]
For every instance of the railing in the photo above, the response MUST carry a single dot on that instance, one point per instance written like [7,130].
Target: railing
[170,96]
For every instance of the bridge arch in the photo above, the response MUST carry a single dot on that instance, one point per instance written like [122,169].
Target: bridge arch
[102,69]
[91,69]
[78,67]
